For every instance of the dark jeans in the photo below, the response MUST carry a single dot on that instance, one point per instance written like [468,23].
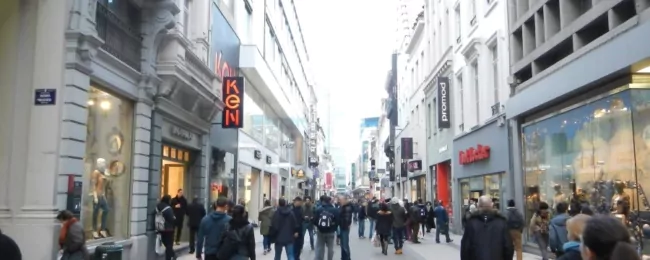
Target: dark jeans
[345,244]
[297,245]
[193,231]
[167,238]
[179,228]
[308,228]
[210,257]
[415,229]
[289,251]
[103,206]
[398,237]
[266,242]
[423,227]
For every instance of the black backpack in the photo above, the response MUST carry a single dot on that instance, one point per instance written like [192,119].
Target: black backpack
[423,213]
[325,220]
[515,220]
[230,242]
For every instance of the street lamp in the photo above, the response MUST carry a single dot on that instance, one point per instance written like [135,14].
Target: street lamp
[290,145]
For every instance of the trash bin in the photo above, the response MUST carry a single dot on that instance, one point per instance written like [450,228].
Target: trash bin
[108,251]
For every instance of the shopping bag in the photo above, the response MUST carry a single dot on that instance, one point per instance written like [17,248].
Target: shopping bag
[375,241]
[160,248]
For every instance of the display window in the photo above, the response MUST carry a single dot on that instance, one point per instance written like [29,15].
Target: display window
[594,154]
[107,176]
[221,174]
[473,188]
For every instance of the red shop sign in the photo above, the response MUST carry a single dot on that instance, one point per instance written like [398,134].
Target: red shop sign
[471,155]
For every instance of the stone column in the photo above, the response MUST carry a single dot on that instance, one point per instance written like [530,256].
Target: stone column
[155,159]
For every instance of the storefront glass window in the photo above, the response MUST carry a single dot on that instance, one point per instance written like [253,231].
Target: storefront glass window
[286,137]
[272,130]
[107,177]
[591,147]
[221,174]
[244,183]
[253,114]
[473,188]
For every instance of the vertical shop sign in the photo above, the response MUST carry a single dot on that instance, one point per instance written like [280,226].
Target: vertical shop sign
[444,112]
[233,97]
[407,148]
[313,131]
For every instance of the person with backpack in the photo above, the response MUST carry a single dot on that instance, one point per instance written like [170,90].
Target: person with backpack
[211,230]
[442,222]
[372,209]
[286,229]
[557,231]
[165,223]
[516,224]
[238,239]
[326,222]
[417,217]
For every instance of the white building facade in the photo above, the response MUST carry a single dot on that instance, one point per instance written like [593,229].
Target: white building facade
[479,90]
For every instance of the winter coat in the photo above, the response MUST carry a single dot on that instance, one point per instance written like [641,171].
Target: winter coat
[430,218]
[399,215]
[308,212]
[265,217]
[284,226]
[211,229]
[346,216]
[8,248]
[486,237]
[243,231]
[168,215]
[557,235]
[362,215]
[179,212]
[571,251]
[74,246]
[336,218]
[195,212]
[384,223]
[415,213]
[440,213]
[372,209]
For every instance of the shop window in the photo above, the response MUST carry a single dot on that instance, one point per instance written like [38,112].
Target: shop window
[591,147]
[221,174]
[107,177]
[254,117]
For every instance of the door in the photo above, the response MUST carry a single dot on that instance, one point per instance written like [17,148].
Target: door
[172,179]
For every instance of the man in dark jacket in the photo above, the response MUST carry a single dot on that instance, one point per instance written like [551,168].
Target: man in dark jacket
[361,215]
[326,220]
[286,228]
[399,224]
[179,204]
[195,212]
[516,224]
[8,248]
[371,209]
[486,235]
[211,229]
[347,211]
[417,218]
[442,222]
[300,240]
[308,215]
[167,235]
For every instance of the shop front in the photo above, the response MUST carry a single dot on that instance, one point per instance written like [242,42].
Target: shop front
[480,167]
[418,180]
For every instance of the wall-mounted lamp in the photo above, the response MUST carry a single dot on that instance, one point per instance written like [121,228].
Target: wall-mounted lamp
[105,105]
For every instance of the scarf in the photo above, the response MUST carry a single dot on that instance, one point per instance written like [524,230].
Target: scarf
[64,230]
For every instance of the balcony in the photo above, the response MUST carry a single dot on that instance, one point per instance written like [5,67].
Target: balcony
[118,24]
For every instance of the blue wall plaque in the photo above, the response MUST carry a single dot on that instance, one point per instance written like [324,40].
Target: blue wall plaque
[44,97]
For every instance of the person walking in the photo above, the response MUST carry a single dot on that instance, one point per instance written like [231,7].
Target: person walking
[371,210]
[72,239]
[308,215]
[239,236]
[516,224]
[442,222]
[399,224]
[486,234]
[538,227]
[575,226]
[179,205]
[414,222]
[195,213]
[557,231]
[346,210]
[211,230]
[166,228]
[265,217]
[9,250]
[430,222]
[286,228]
[300,240]
[361,215]
[384,226]
[326,220]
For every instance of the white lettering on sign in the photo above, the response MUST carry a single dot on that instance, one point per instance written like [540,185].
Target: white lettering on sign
[182,133]
[443,101]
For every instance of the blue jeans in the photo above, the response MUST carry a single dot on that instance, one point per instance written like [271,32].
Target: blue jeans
[362,227]
[398,237]
[309,228]
[289,251]
[372,227]
[266,242]
[103,206]
[345,244]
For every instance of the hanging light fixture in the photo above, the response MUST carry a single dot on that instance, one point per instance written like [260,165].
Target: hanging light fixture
[105,105]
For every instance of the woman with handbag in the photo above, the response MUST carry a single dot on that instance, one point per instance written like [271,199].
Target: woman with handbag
[72,238]
[384,226]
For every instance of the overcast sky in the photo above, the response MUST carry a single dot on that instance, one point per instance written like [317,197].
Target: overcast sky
[350,43]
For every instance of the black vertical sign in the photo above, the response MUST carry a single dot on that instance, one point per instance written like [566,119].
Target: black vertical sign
[405,169]
[407,148]
[444,108]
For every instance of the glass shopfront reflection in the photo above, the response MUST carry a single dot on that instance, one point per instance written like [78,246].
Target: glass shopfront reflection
[253,114]
[473,188]
[272,130]
[601,147]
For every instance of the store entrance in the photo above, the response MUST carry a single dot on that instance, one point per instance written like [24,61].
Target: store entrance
[173,178]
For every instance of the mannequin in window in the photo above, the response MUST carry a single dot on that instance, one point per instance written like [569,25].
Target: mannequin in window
[620,195]
[559,195]
[99,179]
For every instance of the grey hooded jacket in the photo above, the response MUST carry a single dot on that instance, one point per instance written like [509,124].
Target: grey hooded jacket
[399,215]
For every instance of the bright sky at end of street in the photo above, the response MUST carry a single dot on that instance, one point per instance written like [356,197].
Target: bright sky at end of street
[350,43]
